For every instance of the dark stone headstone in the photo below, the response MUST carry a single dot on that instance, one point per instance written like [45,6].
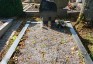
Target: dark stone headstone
[47,6]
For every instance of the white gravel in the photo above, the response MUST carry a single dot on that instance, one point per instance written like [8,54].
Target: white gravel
[49,46]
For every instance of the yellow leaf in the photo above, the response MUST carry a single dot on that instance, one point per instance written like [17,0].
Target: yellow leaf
[14,37]
[33,41]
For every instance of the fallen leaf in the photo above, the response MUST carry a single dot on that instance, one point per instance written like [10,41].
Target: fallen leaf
[74,48]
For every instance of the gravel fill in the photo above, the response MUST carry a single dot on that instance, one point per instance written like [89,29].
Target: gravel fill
[49,46]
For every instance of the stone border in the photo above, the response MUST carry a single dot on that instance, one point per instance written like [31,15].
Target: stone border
[12,49]
[5,26]
[85,54]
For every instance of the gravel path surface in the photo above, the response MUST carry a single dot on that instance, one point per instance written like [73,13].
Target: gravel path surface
[49,46]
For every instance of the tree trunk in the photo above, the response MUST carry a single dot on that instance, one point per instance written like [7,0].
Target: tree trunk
[81,13]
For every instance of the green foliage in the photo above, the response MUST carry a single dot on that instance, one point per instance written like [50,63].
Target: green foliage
[14,38]
[10,8]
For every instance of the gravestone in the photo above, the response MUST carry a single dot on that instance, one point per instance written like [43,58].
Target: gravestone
[48,9]
[88,11]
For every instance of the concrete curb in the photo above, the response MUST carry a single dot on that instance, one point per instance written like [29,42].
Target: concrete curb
[5,26]
[85,54]
[14,45]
